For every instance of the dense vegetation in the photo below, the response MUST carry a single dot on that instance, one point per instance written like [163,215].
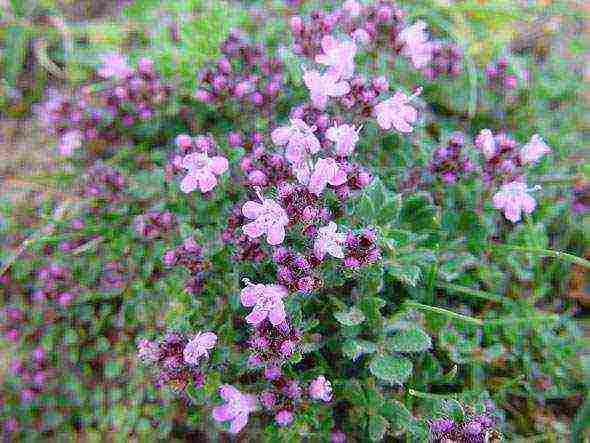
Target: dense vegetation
[294,221]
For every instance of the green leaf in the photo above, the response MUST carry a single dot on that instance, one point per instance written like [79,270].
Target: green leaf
[353,348]
[351,318]
[370,306]
[355,393]
[412,340]
[398,415]
[14,52]
[392,369]
[364,208]
[377,427]
[453,409]
[408,274]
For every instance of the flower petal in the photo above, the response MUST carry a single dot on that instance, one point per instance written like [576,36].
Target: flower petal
[275,234]
[207,181]
[238,423]
[254,229]
[249,295]
[256,316]
[223,413]
[252,209]
[277,315]
[208,339]
[219,164]
[189,183]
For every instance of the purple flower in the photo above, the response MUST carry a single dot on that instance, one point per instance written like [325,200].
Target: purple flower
[326,171]
[284,418]
[269,218]
[514,198]
[396,112]
[236,409]
[114,66]
[486,143]
[533,150]
[416,45]
[352,7]
[268,399]
[320,389]
[338,437]
[198,347]
[299,138]
[147,351]
[202,171]
[323,86]
[267,301]
[339,56]
[69,142]
[345,137]
[329,241]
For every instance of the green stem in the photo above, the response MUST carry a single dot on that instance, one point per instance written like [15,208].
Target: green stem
[441,311]
[474,292]
[546,253]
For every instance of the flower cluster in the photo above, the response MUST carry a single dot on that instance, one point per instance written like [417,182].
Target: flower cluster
[56,282]
[247,248]
[445,60]
[505,163]
[498,77]
[190,256]
[450,163]
[35,374]
[245,73]
[176,358]
[361,249]
[476,428]
[153,224]
[128,98]
[197,157]
[105,185]
[11,321]
[296,271]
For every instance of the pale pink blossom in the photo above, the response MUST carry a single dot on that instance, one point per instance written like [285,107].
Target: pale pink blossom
[301,171]
[147,351]
[361,36]
[396,112]
[202,171]
[322,86]
[533,151]
[299,139]
[321,389]
[114,66]
[269,217]
[199,347]
[514,198]
[267,301]
[352,7]
[416,44]
[345,137]
[326,171]
[236,409]
[329,241]
[339,56]
[69,142]
[486,143]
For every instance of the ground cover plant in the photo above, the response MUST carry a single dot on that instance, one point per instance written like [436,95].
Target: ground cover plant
[295,221]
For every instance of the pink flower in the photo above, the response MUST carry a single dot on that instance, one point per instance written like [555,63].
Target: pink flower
[323,86]
[284,418]
[513,198]
[329,241]
[114,66]
[533,151]
[299,138]
[320,389]
[202,171]
[396,112]
[339,56]
[345,137]
[361,36]
[326,171]
[147,351]
[267,301]
[416,44]
[236,409]
[269,218]
[352,7]
[70,141]
[198,347]
[486,143]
